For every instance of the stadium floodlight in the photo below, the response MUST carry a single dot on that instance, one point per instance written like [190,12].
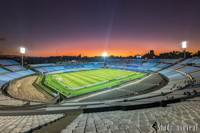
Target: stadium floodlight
[184,46]
[104,54]
[22,51]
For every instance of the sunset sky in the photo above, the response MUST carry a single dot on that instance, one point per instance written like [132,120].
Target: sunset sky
[90,27]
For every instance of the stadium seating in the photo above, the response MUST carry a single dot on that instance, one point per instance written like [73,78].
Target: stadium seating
[163,65]
[141,121]
[132,66]
[195,75]
[16,124]
[171,61]
[5,78]
[175,66]
[176,76]
[197,62]
[98,65]
[138,121]
[41,65]
[25,72]
[139,70]
[69,66]
[164,71]
[187,61]
[78,66]
[13,75]
[58,67]
[149,64]
[135,63]
[154,60]
[2,83]
[189,69]
[172,75]
[3,70]
[88,66]
[8,62]
[40,69]
[138,60]
[49,68]
[15,68]
[154,69]
[144,67]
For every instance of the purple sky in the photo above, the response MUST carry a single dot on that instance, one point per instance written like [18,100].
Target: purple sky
[89,27]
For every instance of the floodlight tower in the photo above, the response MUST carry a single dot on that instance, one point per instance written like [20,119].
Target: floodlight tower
[22,51]
[104,56]
[184,46]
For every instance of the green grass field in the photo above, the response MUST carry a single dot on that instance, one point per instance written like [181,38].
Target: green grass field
[66,82]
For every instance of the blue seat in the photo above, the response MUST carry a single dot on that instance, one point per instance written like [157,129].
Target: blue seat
[15,68]
[3,70]
[8,62]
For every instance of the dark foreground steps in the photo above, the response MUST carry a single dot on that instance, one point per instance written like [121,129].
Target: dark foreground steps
[59,125]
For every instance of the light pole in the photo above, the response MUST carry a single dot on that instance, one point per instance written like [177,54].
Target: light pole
[104,56]
[184,46]
[22,51]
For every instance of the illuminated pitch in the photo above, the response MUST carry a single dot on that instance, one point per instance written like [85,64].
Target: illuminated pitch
[81,82]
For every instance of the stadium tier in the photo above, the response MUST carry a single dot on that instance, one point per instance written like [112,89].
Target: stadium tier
[88,66]
[8,62]
[3,70]
[9,76]
[154,69]
[59,67]
[144,67]
[40,65]
[149,64]
[49,68]
[154,60]
[91,88]
[187,61]
[40,69]
[5,78]
[175,66]
[171,61]
[16,124]
[13,75]
[14,68]
[135,63]
[2,83]
[138,60]
[162,65]
[25,73]
[69,66]
[139,121]
[189,69]
[196,61]
[196,74]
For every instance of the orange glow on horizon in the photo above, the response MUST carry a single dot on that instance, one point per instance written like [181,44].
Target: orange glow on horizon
[116,48]
[96,47]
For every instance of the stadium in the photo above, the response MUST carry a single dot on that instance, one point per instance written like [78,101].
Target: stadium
[126,85]
[99,66]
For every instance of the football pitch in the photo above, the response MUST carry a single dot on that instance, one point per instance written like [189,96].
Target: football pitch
[81,82]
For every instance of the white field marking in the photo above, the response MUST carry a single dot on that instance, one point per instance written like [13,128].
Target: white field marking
[62,80]
[102,92]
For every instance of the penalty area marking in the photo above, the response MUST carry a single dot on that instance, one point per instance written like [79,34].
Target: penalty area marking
[105,91]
